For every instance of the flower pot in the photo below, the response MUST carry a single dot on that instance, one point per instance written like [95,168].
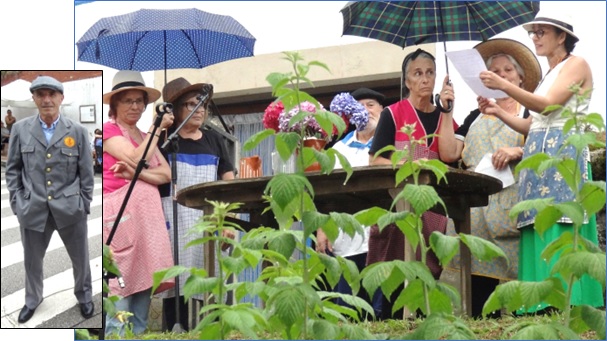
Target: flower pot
[317,144]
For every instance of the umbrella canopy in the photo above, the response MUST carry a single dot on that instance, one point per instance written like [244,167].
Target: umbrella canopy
[407,23]
[154,39]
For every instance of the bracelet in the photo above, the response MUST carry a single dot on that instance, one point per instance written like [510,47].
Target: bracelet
[157,135]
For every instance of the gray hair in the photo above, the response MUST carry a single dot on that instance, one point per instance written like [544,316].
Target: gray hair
[517,66]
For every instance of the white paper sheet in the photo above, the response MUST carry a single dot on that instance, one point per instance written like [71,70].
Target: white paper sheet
[486,167]
[470,64]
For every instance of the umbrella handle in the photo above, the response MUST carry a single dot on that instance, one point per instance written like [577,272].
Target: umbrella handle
[440,107]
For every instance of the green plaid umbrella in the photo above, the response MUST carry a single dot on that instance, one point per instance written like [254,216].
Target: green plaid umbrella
[407,23]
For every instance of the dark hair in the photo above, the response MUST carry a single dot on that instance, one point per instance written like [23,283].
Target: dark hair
[569,40]
[119,95]
[408,59]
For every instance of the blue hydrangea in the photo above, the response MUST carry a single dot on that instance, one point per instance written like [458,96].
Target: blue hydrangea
[346,106]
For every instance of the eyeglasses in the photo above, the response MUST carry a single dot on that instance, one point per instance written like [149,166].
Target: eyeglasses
[191,105]
[129,102]
[539,33]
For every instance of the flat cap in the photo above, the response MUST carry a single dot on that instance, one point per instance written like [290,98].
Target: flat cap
[46,82]
[365,93]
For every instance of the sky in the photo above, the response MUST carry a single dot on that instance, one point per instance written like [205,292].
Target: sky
[41,35]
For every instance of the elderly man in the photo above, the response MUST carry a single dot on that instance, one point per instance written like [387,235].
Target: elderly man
[50,182]
[355,147]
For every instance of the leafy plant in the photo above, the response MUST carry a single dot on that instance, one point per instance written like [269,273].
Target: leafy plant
[577,256]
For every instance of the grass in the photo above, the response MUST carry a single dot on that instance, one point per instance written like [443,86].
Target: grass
[485,329]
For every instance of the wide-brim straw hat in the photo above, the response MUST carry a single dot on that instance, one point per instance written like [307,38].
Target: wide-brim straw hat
[559,19]
[179,87]
[130,80]
[521,53]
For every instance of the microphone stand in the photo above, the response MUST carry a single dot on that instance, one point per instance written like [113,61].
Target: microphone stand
[161,109]
[174,148]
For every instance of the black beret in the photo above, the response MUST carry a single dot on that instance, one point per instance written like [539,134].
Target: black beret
[364,93]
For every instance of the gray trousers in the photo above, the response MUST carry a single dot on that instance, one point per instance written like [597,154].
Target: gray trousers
[75,239]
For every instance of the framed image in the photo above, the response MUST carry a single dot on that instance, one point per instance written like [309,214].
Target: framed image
[87,113]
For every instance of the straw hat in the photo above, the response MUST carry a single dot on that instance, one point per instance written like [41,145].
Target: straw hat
[521,53]
[130,80]
[180,86]
[561,20]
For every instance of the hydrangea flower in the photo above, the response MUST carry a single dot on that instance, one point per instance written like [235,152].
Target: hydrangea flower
[347,107]
[310,126]
[272,114]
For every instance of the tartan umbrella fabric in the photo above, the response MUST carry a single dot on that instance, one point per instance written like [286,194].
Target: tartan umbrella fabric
[407,23]
[154,39]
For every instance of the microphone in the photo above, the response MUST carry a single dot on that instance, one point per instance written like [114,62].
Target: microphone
[206,92]
[164,108]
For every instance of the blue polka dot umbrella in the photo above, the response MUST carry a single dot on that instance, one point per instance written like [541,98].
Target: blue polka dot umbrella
[155,39]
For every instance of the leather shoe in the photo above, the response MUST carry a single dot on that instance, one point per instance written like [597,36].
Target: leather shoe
[26,314]
[87,309]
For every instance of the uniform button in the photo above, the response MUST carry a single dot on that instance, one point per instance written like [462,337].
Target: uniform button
[48,169]
[50,197]
[48,156]
[48,183]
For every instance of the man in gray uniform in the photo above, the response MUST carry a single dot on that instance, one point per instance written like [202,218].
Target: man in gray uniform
[50,181]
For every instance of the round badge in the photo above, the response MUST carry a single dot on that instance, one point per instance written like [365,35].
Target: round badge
[69,141]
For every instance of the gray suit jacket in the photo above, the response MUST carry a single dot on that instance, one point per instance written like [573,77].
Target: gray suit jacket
[56,177]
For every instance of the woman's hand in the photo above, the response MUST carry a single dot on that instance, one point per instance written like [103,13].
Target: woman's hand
[122,170]
[323,244]
[447,94]
[493,81]
[167,120]
[227,234]
[503,156]
[488,107]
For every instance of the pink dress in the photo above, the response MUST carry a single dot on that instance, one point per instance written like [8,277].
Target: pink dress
[141,243]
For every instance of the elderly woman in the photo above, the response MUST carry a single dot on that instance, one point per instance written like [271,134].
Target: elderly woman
[483,134]
[201,157]
[553,37]
[419,72]
[141,243]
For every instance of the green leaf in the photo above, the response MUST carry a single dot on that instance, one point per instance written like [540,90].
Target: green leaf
[349,270]
[240,320]
[283,243]
[313,220]
[562,245]
[552,331]
[580,263]
[375,274]
[327,163]
[596,120]
[437,167]
[442,327]
[288,305]
[234,265]
[327,120]
[572,210]
[319,64]
[531,162]
[343,161]
[277,80]
[211,331]
[421,197]
[445,247]
[165,274]
[592,196]
[370,216]
[257,138]
[570,172]
[482,249]
[505,295]
[413,269]
[348,223]
[580,141]
[286,144]
[546,218]
[196,284]
[333,269]
[405,171]
[451,292]
[528,205]
[584,317]
[324,330]
[549,291]
[284,188]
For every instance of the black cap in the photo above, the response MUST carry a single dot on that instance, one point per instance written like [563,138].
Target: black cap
[364,93]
